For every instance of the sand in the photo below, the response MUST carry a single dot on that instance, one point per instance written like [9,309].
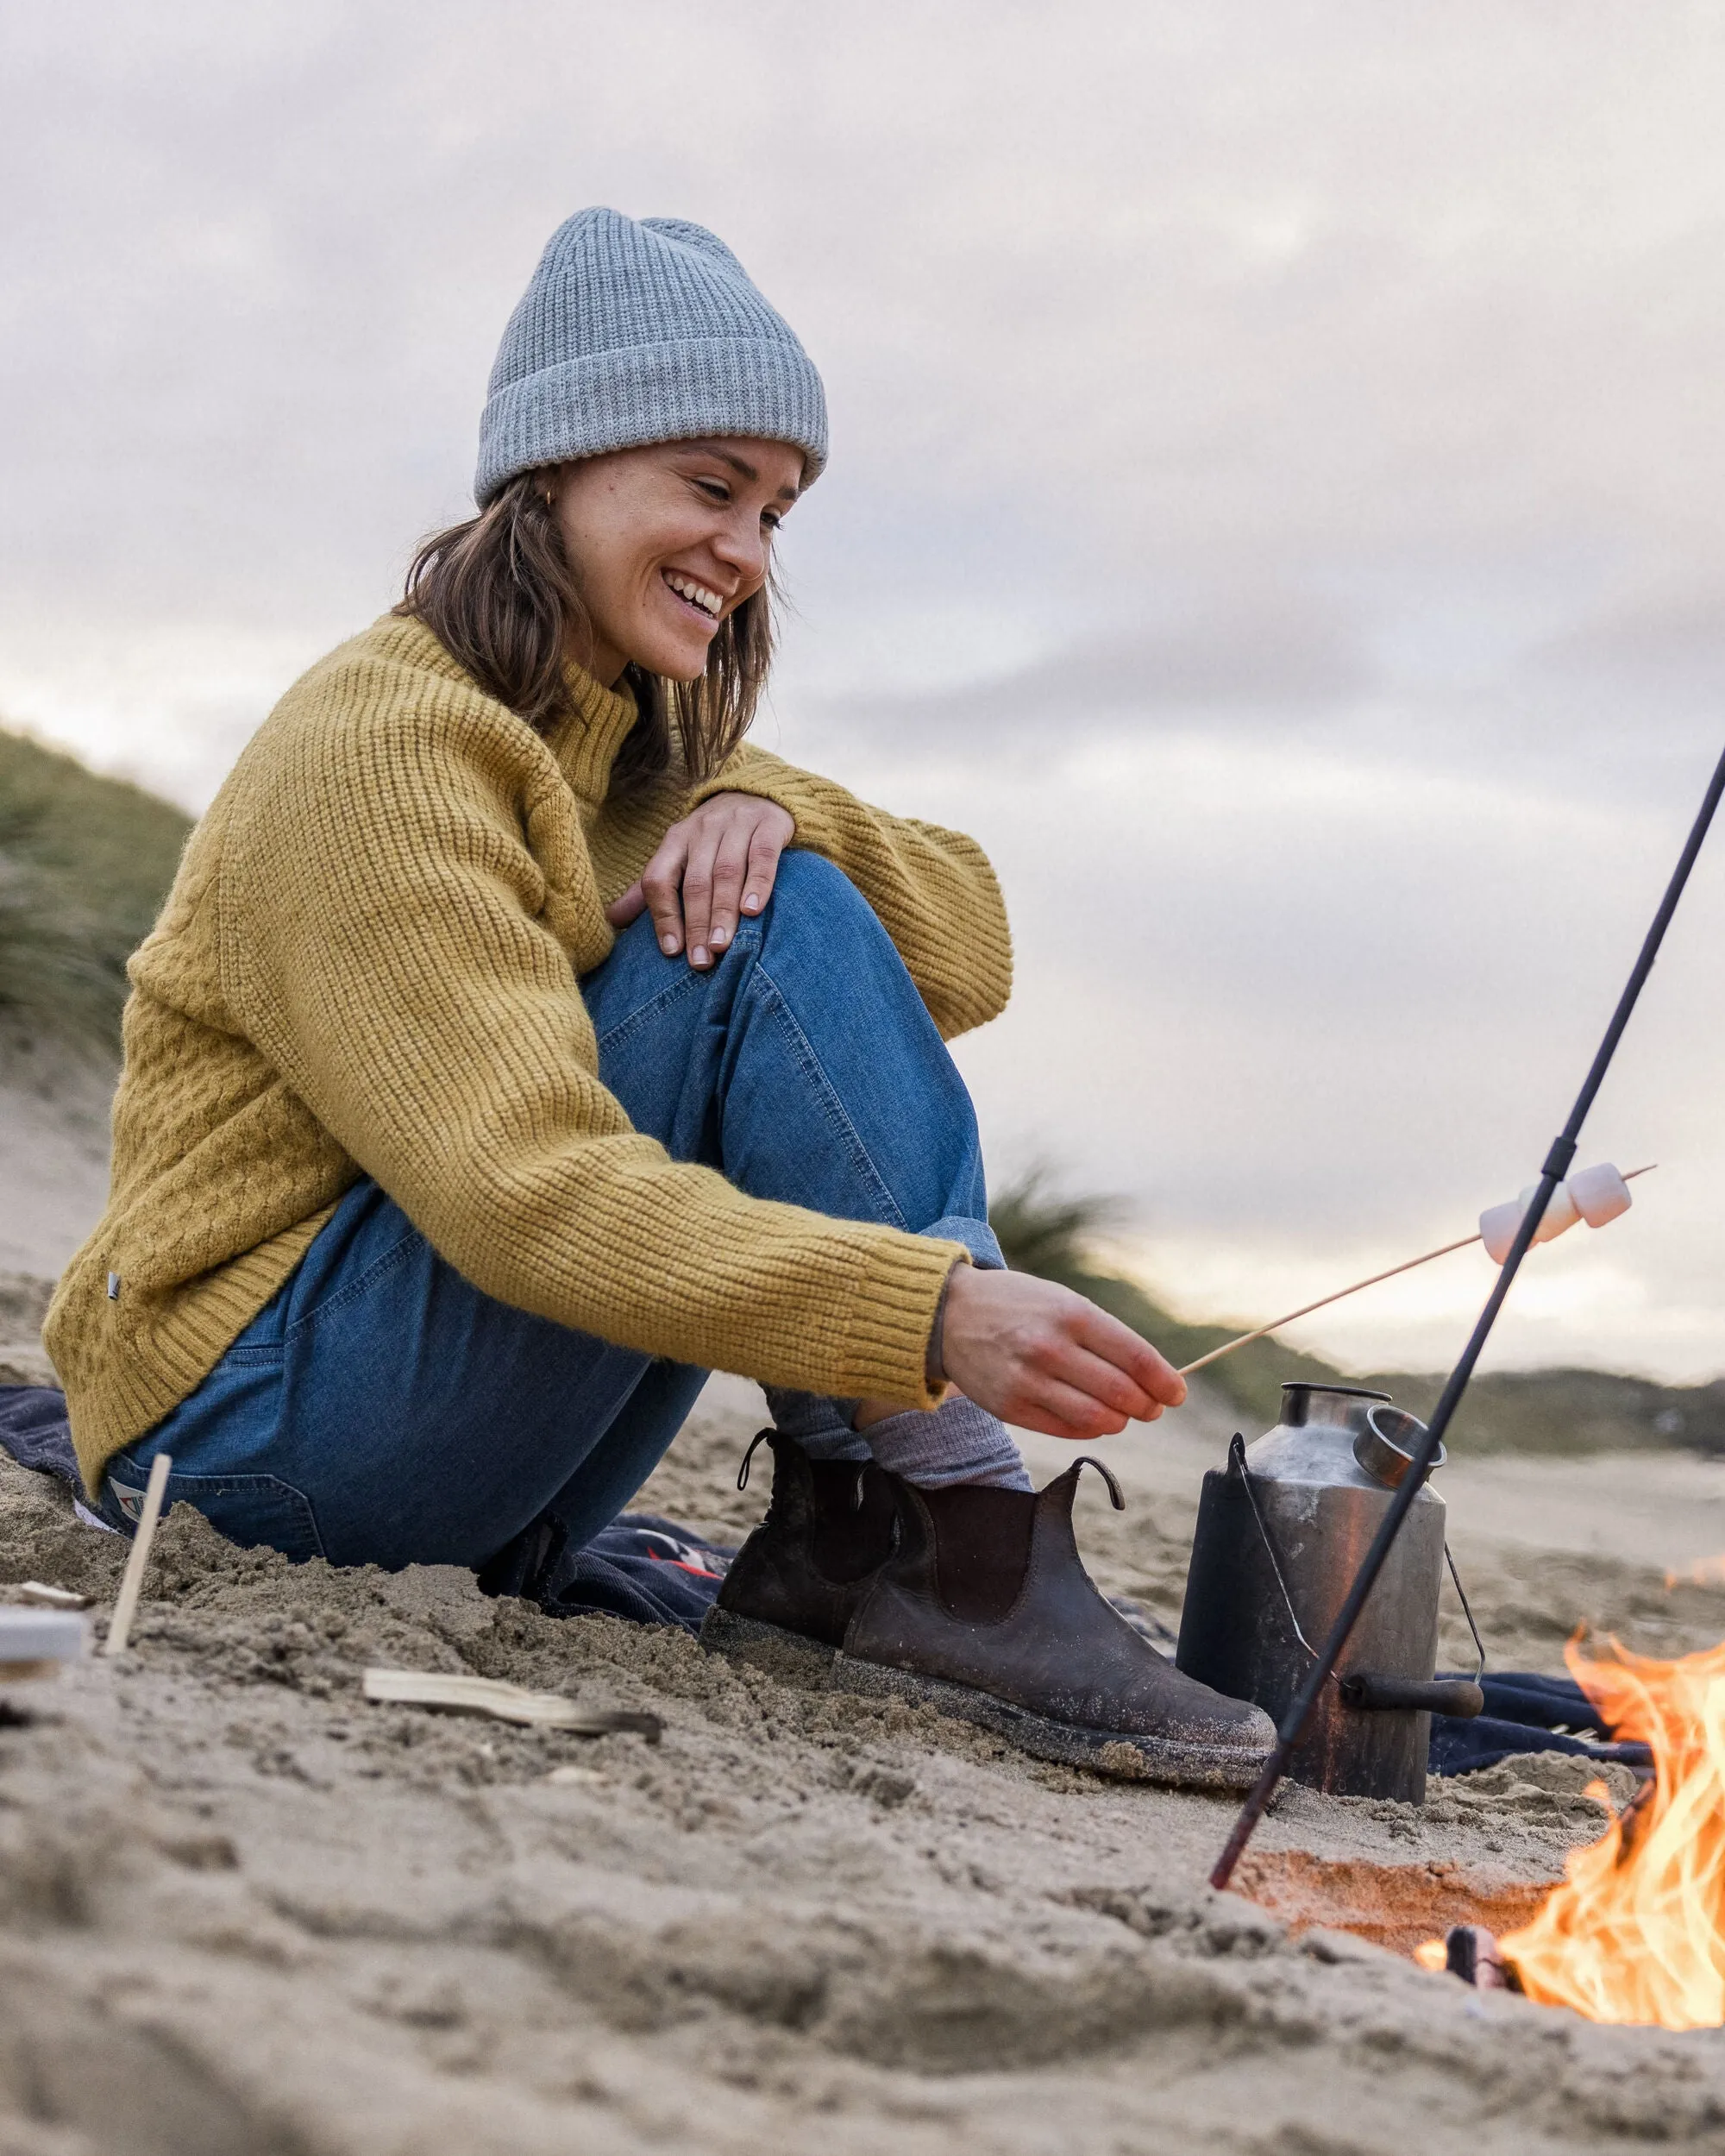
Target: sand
[54,1105]
[247,1912]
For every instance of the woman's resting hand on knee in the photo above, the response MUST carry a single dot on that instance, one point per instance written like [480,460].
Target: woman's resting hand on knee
[1036,1354]
[714,867]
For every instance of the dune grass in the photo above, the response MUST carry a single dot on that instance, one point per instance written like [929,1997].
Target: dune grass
[85,865]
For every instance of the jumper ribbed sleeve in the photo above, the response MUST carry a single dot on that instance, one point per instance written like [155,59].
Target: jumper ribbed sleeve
[370,960]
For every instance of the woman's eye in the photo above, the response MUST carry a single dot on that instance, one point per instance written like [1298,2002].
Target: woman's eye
[714,489]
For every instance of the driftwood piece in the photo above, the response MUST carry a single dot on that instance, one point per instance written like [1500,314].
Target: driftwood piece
[464,1695]
[46,1598]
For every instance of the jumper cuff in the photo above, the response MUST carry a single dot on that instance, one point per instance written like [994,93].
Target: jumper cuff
[903,1280]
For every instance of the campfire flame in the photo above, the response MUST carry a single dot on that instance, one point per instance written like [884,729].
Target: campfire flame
[1636,1933]
[1706,1572]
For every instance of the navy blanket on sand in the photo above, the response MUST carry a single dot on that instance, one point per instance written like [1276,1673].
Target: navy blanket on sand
[653,1572]
[1524,1713]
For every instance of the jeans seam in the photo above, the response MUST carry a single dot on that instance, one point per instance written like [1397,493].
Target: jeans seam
[687,983]
[832,1105]
[398,1253]
[638,1017]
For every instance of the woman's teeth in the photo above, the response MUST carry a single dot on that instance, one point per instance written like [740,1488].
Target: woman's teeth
[697,594]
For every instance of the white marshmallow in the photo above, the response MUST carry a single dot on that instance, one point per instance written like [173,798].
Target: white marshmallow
[1498,1223]
[1560,1214]
[1600,1194]
[1595,1195]
[1497,1226]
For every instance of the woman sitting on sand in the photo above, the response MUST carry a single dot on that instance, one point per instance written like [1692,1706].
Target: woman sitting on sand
[517,1045]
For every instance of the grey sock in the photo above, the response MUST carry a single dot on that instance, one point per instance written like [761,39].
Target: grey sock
[959,1442]
[821,1426]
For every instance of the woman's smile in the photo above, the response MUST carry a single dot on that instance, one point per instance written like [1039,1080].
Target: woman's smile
[700,599]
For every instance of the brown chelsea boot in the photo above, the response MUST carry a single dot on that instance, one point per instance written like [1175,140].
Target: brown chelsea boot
[985,1612]
[794,1585]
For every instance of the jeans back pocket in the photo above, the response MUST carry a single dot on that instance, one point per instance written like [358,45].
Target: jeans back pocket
[257,1511]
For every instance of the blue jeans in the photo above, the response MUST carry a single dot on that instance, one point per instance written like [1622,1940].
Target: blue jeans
[380,1409]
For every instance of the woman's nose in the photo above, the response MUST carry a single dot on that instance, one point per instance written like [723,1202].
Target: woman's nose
[742,545]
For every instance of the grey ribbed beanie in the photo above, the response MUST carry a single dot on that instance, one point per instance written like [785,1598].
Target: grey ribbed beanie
[636,332]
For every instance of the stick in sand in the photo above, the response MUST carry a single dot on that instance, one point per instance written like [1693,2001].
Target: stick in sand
[126,1605]
[1324,1301]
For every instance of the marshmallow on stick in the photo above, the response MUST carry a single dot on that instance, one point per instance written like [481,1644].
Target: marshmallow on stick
[1595,1195]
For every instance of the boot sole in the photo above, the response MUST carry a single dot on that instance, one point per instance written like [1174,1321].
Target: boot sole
[793,1657]
[1165,1759]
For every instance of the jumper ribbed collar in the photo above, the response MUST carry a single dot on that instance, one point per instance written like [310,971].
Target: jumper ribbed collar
[587,743]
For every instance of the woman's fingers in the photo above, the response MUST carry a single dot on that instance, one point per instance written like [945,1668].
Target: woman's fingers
[1059,1412]
[1035,1352]
[630,906]
[733,847]
[730,867]
[1132,1355]
[714,869]
[662,885]
[1080,1395]
[766,843]
[698,893]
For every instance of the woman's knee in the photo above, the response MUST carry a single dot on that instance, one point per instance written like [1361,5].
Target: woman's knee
[816,902]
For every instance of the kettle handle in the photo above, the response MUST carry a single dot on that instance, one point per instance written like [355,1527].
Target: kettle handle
[1458,1696]
[1237,1466]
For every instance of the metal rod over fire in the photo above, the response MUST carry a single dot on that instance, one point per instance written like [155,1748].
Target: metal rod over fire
[1557,1165]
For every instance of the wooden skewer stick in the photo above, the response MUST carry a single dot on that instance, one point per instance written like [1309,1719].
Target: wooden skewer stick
[1371,1280]
[131,1584]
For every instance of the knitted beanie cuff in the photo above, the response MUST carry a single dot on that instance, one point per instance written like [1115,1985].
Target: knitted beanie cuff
[655,393]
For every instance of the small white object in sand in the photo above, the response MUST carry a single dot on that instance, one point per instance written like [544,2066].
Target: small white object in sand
[567,1777]
[461,1694]
[38,1642]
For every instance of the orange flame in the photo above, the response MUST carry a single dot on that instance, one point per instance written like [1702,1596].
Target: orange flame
[1636,1933]
[1706,1572]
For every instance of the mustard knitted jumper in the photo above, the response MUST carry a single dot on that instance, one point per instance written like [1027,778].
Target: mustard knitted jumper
[369,962]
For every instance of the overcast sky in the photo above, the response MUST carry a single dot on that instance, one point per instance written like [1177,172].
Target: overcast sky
[1277,503]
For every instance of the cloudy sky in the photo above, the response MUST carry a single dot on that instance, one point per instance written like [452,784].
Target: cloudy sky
[1277,503]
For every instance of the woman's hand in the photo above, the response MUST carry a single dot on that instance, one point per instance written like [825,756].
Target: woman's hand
[1033,1353]
[712,868]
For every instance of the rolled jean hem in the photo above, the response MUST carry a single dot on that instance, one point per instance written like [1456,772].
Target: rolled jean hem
[977,1237]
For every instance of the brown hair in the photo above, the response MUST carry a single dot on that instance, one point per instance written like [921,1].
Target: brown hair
[498,593]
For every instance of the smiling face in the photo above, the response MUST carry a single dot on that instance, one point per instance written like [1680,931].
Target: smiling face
[666,541]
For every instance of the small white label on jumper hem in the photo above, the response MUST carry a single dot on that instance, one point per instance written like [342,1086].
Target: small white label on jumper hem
[131,1502]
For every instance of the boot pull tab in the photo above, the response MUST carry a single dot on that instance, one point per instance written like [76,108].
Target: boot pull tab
[1089,1459]
[758,1439]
